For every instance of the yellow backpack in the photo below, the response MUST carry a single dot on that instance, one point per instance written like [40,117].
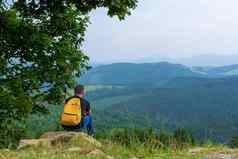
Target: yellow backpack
[72,113]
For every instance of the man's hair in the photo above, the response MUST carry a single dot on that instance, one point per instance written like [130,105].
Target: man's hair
[79,89]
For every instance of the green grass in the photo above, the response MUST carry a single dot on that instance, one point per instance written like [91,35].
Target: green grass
[113,150]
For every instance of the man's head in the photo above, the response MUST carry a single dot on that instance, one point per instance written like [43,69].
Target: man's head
[79,90]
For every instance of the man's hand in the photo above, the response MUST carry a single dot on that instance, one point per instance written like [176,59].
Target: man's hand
[88,113]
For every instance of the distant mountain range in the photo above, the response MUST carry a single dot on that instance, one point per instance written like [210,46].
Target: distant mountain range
[203,60]
[166,95]
[152,73]
[209,60]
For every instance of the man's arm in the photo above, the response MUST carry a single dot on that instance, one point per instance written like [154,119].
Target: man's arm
[88,108]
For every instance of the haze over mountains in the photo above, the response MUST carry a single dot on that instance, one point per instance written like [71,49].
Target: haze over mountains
[209,60]
[152,73]
[203,60]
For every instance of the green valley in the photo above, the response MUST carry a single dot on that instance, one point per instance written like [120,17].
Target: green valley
[206,105]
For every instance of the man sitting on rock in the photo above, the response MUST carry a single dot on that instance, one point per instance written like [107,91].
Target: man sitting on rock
[77,112]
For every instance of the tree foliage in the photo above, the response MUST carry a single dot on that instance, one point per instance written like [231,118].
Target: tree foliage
[119,8]
[183,137]
[149,137]
[233,143]
[40,52]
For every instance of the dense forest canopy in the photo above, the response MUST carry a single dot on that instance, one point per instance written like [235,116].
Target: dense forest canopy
[165,95]
[41,54]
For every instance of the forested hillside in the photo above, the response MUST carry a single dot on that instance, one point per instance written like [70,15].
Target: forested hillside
[207,105]
[133,74]
[155,74]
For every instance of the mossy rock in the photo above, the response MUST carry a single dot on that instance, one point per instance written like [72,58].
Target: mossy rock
[60,138]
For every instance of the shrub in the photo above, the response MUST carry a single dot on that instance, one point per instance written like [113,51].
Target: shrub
[166,139]
[132,137]
[183,137]
[14,108]
[39,123]
[11,133]
[149,137]
[233,143]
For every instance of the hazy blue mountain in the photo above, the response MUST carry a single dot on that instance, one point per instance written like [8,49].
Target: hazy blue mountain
[156,74]
[224,70]
[130,73]
[230,70]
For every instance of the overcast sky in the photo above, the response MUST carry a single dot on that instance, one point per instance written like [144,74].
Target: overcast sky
[165,28]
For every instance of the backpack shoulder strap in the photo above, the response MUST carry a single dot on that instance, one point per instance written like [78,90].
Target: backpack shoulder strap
[67,100]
